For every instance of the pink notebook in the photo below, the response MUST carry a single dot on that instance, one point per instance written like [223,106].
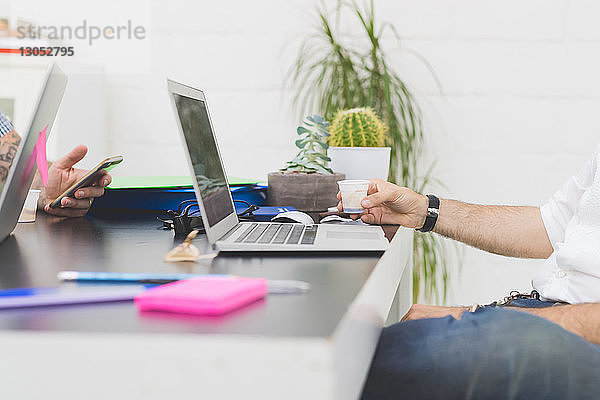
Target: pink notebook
[206,296]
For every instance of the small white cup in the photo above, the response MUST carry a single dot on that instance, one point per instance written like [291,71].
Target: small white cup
[353,192]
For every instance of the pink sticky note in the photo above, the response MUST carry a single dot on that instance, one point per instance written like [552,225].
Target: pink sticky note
[205,296]
[40,156]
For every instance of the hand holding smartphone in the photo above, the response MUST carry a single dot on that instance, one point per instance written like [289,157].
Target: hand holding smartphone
[94,174]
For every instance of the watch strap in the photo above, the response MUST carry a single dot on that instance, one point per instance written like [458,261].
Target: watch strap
[433,211]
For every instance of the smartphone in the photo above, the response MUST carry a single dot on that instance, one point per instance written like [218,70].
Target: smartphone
[105,166]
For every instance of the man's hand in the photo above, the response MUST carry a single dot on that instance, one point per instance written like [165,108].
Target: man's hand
[61,176]
[581,319]
[387,203]
[422,311]
[510,231]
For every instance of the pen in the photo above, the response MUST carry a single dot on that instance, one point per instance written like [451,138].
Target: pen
[127,277]
[25,291]
[275,286]
[35,297]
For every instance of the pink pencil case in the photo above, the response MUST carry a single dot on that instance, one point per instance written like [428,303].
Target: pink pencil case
[205,296]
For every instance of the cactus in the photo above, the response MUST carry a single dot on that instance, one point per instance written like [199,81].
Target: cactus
[357,127]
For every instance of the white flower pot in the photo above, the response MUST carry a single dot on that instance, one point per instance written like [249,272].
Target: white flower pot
[361,162]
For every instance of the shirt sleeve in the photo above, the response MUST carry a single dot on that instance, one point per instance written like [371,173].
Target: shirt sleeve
[561,207]
[5,124]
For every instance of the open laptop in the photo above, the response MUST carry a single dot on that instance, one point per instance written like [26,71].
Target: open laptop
[223,229]
[23,167]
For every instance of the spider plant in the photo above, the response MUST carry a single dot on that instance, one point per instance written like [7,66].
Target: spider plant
[334,72]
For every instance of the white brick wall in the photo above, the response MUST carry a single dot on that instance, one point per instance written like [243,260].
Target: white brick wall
[517,116]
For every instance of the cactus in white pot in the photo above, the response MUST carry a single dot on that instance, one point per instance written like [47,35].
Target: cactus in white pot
[357,127]
[357,139]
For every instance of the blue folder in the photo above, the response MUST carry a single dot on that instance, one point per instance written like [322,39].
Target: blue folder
[160,200]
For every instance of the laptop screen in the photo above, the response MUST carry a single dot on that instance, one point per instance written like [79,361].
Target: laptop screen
[23,164]
[204,154]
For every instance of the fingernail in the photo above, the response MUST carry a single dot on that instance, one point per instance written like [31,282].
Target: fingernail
[66,202]
[105,182]
[47,208]
[80,193]
[366,203]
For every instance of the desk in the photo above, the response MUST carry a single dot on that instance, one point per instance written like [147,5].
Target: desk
[311,346]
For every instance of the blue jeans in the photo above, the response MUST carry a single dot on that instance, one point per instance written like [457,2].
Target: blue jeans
[494,353]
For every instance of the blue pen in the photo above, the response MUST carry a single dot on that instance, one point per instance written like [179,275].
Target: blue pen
[127,277]
[275,286]
[25,291]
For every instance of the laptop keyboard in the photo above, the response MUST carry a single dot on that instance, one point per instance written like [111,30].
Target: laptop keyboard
[279,234]
[295,235]
[269,234]
[245,234]
[256,233]
[282,234]
[310,233]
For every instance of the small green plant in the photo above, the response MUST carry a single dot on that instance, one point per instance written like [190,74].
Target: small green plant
[357,127]
[312,157]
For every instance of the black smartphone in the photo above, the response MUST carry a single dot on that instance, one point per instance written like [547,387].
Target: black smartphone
[93,174]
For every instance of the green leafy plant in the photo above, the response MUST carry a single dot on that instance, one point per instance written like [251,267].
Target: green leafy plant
[331,73]
[357,127]
[312,157]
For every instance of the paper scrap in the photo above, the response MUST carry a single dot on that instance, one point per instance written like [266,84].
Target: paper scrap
[40,157]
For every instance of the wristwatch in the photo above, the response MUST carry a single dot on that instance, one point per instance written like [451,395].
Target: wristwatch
[433,211]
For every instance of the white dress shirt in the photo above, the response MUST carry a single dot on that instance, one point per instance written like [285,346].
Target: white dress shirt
[572,220]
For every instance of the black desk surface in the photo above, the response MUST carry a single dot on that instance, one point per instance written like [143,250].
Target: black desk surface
[35,253]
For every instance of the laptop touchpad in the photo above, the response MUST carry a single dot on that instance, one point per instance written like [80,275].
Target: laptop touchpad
[352,235]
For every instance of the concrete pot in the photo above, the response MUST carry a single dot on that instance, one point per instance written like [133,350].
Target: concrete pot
[361,162]
[306,192]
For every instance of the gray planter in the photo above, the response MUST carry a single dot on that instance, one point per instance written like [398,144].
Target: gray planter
[306,192]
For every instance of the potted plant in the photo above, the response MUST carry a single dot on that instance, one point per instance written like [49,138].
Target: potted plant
[336,70]
[306,182]
[357,144]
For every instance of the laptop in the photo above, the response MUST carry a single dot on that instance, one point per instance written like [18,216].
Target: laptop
[23,167]
[223,229]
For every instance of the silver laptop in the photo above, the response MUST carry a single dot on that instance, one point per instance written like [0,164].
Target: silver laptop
[23,167]
[223,229]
